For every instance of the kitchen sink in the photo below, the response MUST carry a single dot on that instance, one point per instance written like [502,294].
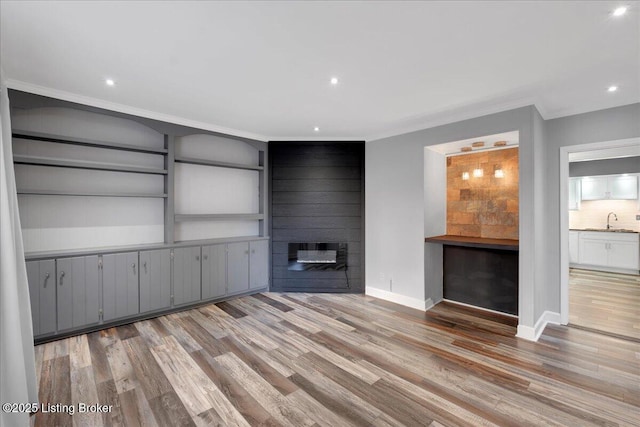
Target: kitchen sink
[611,230]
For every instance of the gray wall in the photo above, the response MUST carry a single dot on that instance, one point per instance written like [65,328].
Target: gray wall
[317,196]
[598,126]
[395,181]
[605,167]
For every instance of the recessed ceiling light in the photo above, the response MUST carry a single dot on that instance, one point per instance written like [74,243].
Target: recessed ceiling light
[316,129]
[110,82]
[612,88]
[334,80]
[620,11]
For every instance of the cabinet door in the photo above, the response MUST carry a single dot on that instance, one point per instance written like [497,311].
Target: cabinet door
[155,280]
[594,188]
[78,295]
[237,267]
[623,187]
[42,292]
[574,194]
[574,247]
[259,264]
[214,271]
[120,285]
[593,252]
[186,275]
[624,255]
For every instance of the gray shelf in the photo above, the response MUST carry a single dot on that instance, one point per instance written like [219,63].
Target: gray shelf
[78,193]
[83,164]
[66,253]
[194,161]
[216,217]
[37,136]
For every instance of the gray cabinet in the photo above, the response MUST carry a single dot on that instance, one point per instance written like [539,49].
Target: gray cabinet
[155,280]
[259,264]
[214,271]
[120,296]
[186,275]
[78,296]
[237,267]
[42,291]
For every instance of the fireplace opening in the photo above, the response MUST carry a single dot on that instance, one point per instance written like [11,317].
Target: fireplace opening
[317,256]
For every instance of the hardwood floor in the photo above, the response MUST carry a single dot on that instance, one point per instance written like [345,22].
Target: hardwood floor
[603,301]
[339,360]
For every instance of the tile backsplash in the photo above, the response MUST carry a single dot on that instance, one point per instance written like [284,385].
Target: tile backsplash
[593,214]
[483,206]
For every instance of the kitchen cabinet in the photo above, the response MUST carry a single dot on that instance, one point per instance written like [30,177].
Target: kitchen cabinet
[155,280]
[259,264]
[574,247]
[610,250]
[237,267]
[214,271]
[78,297]
[623,187]
[120,285]
[186,275]
[615,187]
[42,292]
[574,194]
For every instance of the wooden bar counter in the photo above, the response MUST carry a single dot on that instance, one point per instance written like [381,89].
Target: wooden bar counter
[479,271]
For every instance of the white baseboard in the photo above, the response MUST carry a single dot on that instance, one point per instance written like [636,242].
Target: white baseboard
[400,299]
[533,333]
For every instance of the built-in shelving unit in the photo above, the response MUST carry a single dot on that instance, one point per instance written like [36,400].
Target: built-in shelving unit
[80,164]
[39,136]
[201,162]
[214,217]
[88,194]
[138,208]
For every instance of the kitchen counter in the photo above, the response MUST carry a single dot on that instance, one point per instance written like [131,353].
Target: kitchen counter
[475,242]
[604,230]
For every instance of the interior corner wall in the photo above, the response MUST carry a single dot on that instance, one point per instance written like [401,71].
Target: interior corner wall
[598,126]
[546,294]
[394,186]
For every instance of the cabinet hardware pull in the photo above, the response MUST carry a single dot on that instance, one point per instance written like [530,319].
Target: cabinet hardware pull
[144,264]
[206,257]
[133,266]
[253,251]
[46,279]
[246,252]
[61,276]
[197,257]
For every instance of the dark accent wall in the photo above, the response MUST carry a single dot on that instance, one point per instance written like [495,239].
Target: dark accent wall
[317,195]
[605,167]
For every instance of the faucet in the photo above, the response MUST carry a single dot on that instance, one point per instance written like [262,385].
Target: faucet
[609,216]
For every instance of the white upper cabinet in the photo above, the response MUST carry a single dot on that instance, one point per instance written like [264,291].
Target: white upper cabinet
[574,194]
[617,187]
[623,187]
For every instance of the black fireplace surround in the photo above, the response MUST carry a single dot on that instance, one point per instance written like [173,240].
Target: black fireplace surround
[317,256]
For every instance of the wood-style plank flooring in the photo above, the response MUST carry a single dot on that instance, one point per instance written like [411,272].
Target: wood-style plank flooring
[339,360]
[604,301]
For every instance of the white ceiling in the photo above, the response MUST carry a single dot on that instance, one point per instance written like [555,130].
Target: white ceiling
[262,69]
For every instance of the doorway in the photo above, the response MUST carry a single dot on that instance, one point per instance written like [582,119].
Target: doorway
[600,285]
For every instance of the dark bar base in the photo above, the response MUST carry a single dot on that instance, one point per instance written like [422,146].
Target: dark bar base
[486,278]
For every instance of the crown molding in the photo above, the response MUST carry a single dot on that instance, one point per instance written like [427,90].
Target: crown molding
[126,109]
[459,114]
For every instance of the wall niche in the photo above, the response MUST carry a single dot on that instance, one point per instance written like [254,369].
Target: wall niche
[483,204]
